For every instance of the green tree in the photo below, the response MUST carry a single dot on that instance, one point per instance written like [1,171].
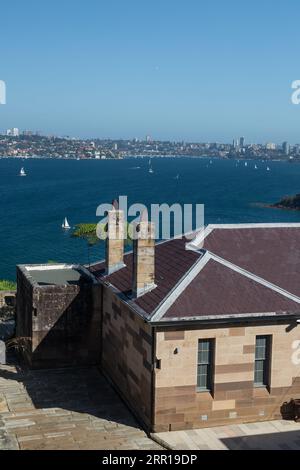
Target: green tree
[88,232]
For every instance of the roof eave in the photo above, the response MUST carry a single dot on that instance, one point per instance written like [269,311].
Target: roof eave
[228,319]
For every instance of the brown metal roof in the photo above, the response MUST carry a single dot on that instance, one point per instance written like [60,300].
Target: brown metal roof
[271,253]
[172,261]
[218,290]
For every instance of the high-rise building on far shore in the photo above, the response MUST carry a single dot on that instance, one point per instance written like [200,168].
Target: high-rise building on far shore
[270,146]
[28,133]
[14,132]
[235,143]
[286,148]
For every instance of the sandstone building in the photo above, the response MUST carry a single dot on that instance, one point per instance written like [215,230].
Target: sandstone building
[191,333]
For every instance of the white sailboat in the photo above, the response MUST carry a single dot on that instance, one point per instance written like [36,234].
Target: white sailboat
[22,172]
[150,167]
[268,169]
[246,164]
[255,167]
[65,224]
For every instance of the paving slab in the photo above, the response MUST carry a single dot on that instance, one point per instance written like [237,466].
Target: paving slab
[66,409]
[267,435]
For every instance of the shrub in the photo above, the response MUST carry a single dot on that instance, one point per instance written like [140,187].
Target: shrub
[7,285]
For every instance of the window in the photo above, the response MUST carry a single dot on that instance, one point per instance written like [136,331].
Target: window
[262,361]
[205,364]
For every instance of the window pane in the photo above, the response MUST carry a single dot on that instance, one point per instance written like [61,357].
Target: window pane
[260,353]
[204,345]
[261,347]
[204,357]
[259,377]
[261,341]
[204,351]
[202,382]
[202,369]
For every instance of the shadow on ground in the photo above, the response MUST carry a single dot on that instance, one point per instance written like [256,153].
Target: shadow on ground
[289,440]
[80,389]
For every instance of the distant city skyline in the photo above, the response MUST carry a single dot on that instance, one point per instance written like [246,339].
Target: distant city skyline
[25,144]
[176,71]
[236,141]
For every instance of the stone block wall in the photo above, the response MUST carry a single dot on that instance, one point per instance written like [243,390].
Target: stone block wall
[24,302]
[234,399]
[127,355]
[61,324]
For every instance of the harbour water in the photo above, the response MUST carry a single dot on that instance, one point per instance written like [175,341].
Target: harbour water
[32,208]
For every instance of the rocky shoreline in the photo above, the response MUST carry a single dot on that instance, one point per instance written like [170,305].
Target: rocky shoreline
[288,203]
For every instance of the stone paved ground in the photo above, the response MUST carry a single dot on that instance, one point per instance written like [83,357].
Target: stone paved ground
[269,435]
[64,409]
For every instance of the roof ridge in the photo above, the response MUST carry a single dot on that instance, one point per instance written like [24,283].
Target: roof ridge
[181,285]
[196,243]
[255,277]
[197,268]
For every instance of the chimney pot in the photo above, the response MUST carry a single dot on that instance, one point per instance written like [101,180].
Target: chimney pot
[144,257]
[115,205]
[115,239]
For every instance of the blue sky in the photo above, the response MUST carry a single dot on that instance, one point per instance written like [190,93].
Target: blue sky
[192,70]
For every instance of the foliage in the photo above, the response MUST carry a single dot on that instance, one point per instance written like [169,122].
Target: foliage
[88,232]
[289,202]
[7,285]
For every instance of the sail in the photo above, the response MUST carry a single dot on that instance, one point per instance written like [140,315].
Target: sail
[150,167]
[65,223]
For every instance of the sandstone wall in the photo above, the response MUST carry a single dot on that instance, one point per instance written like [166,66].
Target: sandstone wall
[62,323]
[178,405]
[127,355]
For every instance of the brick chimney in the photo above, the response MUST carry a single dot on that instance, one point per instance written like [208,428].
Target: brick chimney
[144,257]
[115,239]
